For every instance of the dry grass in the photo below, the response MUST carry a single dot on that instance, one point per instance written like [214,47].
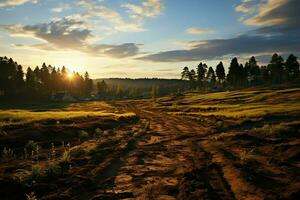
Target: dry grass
[93,109]
[239,104]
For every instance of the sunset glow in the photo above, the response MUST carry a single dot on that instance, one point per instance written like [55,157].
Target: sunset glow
[148,38]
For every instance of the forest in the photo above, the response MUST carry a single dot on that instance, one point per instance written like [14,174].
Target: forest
[42,83]
[250,74]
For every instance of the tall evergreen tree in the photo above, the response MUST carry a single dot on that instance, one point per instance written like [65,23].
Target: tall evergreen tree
[232,76]
[252,71]
[20,84]
[220,72]
[88,84]
[201,72]
[292,67]
[192,78]
[276,68]
[211,77]
[185,73]
[102,87]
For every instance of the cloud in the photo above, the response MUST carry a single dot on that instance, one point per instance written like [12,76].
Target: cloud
[117,51]
[60,8]
[69,33]
[114,18]
[276,16]
[218,48]
[248,6]
[198,31]
[13,3]
[278,30]
[137,14]
[148,8]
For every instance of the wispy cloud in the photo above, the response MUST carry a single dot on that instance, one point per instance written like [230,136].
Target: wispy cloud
[13,3]
[70,34]
[278,30]
[198,31]
[248,6]
[137,14]
[218,48]
[61,8]
[148,8]
[274,15]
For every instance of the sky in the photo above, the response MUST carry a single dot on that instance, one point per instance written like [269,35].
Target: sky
[146,38]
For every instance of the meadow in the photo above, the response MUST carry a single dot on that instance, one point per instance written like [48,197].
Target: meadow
[241,144]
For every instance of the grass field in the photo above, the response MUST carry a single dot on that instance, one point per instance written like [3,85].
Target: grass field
[223,145]
[76,110]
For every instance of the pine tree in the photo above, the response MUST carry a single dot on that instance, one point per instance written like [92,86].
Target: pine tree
[292,67]
[201,72]
[220,72]
[232,76]
[211,77]
[185,73]
[276,68]
[20,84]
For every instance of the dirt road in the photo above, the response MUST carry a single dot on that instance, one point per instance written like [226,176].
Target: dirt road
[167,162]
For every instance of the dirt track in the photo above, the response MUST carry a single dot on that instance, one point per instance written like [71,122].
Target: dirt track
[167,162]
[166,157]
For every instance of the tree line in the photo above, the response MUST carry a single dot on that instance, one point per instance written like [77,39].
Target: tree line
[41,82]
[277,71]
[118,88]
[45,81]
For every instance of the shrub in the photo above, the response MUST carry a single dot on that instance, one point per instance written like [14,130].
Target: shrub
[245,155]
[66,156]
[274,130]
[52,151]
[83,134]
[31,196]
[2,132]
[31,146]
[7,154]
[52,169]
[98,132]
[36,171]
[147,126]
[220,125]
[21,175]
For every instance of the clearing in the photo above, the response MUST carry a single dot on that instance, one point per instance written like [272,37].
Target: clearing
[224,145]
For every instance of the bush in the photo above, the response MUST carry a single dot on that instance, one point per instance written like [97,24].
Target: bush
[2,132]
[66,156]
[31,196]
[52,169]
[83,134]
[7,154]
[31,146]
[36,171]
[275,130]
[220,125]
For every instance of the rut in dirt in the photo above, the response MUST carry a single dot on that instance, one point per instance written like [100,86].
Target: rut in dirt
[167,162]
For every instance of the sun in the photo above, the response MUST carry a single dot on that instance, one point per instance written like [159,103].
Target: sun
[70,76]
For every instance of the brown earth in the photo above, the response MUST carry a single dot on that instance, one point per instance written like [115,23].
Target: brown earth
[165,157]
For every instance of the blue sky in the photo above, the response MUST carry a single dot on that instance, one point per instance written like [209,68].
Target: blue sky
[145,38]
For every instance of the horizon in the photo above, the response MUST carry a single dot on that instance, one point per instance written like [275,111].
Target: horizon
[149,38]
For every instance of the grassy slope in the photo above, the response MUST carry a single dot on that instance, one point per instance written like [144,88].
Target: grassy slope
[237,104]
[254,138]
[250,139]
